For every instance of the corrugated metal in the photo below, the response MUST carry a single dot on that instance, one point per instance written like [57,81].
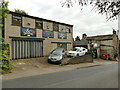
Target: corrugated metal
[26,49]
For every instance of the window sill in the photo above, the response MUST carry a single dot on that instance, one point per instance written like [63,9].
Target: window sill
[16,25]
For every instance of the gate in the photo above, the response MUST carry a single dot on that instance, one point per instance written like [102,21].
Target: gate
[27,49]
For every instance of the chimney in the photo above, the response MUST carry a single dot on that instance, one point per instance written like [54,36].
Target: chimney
[84,36]
[114,32]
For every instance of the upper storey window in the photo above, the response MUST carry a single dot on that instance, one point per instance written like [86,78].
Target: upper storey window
[55,27]
[62,35]
[16,20]
[39,24]
[67,29]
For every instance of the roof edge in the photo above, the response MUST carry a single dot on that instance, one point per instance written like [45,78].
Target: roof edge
[11,12]
[100,36]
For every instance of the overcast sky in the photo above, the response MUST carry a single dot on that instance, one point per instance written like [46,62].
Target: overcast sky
[86,21]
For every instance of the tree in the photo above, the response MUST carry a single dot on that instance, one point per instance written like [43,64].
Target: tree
[109,7]
[77,38]
[6,64]
[21,11]
[4,9]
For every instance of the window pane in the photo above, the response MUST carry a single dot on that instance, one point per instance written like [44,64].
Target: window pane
[16,20]
[39,24]
[55,27]
[67,29]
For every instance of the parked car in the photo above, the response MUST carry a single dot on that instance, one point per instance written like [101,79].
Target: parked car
[77,51]
[56,55]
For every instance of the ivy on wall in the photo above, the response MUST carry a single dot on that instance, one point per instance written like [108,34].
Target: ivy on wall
[6,62]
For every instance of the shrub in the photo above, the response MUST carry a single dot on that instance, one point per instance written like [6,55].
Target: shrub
[6,62]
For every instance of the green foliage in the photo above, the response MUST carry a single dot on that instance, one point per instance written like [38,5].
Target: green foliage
[111,8]
[61,64]
[77,38]
[92,53]
[21,11]
[4,9]
[6,63]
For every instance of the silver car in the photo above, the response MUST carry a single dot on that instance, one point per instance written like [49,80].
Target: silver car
[56,56]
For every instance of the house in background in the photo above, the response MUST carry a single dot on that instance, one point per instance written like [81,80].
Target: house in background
[30,36]
[82,43]
[104,44]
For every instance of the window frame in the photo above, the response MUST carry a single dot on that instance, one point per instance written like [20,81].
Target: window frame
[83,49]
[54,25]
[13,17]
[39,23]
[68,29]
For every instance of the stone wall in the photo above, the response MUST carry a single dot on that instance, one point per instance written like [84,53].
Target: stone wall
[81,59]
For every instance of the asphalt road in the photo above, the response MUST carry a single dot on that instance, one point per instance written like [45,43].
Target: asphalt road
[105,76]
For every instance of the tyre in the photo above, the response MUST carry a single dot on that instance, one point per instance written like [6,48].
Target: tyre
[49,61]
[77,55]
[60,62]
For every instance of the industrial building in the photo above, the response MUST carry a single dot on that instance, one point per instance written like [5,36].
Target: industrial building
[30,37]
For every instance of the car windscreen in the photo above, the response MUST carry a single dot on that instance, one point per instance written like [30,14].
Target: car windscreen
[56,52]
[75,49]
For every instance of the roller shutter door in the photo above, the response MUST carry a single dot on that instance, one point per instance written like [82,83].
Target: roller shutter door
[26,49]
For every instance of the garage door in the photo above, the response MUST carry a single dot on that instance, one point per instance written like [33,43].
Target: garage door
[27,49]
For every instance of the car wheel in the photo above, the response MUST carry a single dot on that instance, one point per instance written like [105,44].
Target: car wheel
[60,62]
[86,53]
[77,55]
[49,61]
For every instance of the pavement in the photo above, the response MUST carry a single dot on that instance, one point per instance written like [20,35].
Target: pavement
[39,66]
[104,76]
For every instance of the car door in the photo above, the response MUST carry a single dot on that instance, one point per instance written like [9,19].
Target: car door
[84,51]
[80,52]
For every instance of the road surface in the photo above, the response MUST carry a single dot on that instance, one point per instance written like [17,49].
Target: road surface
[105,76]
